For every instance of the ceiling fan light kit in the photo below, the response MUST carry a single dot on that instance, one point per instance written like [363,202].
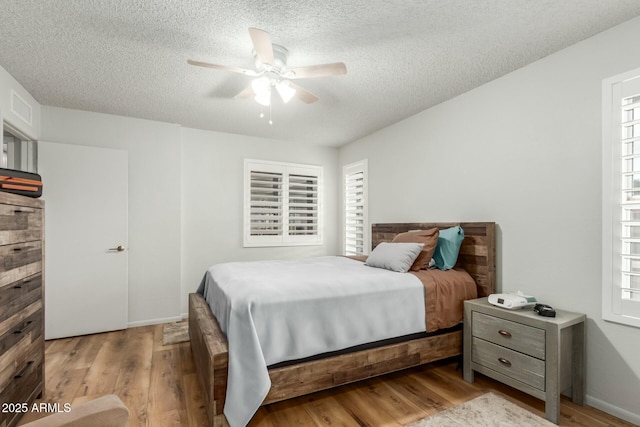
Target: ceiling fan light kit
[285,90]
[261,88]
[272,72]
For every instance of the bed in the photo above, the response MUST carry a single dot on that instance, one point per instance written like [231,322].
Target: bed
[210,348]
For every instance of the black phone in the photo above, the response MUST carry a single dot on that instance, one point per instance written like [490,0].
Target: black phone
[544,310]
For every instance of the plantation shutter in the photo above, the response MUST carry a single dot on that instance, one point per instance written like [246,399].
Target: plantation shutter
[303,205]
[266,213]
[282,204]
[621,198]
[355,218]
[628,294]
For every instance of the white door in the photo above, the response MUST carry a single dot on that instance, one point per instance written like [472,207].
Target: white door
[85,193]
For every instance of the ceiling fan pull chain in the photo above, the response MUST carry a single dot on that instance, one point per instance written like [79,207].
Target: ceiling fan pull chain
[270,121]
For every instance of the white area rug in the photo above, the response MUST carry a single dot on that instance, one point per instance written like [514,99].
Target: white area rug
[488,410]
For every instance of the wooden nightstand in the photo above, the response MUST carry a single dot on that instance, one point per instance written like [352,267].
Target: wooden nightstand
[542,356]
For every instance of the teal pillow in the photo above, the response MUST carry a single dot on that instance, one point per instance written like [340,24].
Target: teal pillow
[449,242]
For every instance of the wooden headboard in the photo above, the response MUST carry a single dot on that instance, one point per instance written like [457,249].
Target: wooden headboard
[477,253]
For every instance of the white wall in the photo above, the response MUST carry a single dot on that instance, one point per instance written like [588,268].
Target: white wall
[212,200]
[523,151]
[8,85]
[185,201]
[154,201]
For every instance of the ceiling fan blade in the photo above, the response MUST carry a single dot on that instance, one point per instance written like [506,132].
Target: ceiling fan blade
[224,68]
[246,93]
[262,45]
[322,70]
[303,94]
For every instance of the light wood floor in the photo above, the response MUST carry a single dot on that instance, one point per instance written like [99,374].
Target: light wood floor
[159,386]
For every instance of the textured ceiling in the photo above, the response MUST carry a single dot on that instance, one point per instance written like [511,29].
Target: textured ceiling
[129,57]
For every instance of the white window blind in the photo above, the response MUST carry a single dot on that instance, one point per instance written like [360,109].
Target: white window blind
[356,228]
[282,204]
[621,199]
[265,203]
[303,204]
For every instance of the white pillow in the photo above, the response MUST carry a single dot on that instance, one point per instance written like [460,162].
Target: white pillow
[394,256]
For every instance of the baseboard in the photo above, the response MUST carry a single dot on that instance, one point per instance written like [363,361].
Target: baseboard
[185,315]
[613,410]
[154,321]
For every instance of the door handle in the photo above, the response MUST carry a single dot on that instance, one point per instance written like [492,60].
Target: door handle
[120,248]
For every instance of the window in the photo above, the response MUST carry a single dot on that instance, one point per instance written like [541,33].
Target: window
[282,204]
[356,222]
[621,199]
[18,152]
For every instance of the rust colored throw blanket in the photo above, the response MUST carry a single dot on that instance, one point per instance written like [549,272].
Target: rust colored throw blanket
[444,294]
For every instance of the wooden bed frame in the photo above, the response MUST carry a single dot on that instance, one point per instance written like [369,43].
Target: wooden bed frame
[210,350]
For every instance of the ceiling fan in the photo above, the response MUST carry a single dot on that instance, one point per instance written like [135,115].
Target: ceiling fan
[272,72]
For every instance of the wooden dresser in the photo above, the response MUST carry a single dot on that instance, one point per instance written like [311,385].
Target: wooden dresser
[21,305]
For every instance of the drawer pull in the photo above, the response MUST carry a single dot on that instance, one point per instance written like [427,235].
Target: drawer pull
[23,248]
[20,375]
[504,361]
[19,211]
[19,331]
[17,287]
[504,333]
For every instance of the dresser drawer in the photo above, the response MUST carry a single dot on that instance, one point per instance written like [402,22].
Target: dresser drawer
[16,296]
[28,349]
[516,336]
[19,260]
[30,327]
[28,346]
[22,388]
[513,364]
[19,224]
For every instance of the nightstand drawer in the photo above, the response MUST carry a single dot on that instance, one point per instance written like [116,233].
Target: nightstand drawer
[516,336]
[518,366]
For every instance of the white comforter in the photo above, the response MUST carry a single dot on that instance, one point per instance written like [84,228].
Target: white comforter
[274,311]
